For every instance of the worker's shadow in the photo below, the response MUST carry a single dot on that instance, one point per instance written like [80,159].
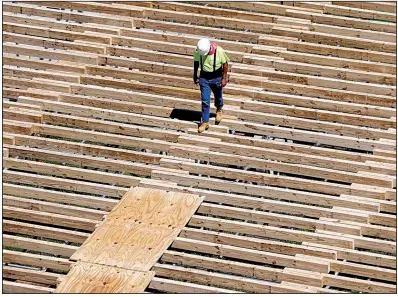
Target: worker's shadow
[187,115]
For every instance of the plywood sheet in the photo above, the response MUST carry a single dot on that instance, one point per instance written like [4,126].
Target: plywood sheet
[139,229]
[93,278]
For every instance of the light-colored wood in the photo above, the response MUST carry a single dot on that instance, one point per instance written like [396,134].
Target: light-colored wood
[167,285]
[270,179]
[40,277]
[124,10]
[36,260]
[93,278]
[18,288]
[56,34]
[44,232]
[212,278]
[38,245]
[53,208]
[226,266]
[75,173]
[277,193]
[159,219]
[297,182]
[41,11]
[359,285]
[49,218]
[59,197]
[255,243]
[249,255]
[36,51]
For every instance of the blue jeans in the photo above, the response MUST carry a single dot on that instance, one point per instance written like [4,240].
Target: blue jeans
[206,87]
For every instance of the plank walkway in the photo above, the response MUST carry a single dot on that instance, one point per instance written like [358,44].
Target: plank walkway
[298,180]
[117,256]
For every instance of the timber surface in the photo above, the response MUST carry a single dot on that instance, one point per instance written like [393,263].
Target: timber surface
[93,278]
[299,178]
[139,229]
[117,256]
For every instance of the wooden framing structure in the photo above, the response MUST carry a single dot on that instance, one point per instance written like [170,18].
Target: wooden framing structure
[298,180]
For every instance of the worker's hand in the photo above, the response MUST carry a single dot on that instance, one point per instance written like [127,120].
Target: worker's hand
[223,82]
[195,80]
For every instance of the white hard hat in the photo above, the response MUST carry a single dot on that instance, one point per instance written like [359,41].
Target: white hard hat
[203,46]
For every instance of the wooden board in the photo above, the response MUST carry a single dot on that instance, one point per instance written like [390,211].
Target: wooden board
[299,177]
[139,229]
[89,278]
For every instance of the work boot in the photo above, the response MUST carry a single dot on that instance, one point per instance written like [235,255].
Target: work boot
[203,126]
[218,115]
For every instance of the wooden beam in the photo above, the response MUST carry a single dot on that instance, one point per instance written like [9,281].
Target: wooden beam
[173,286]
[20,288]
[43,231]
[38,245]
[41,277]
[57,208]
[36,260]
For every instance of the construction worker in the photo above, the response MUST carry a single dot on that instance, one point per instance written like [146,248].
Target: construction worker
[213,77]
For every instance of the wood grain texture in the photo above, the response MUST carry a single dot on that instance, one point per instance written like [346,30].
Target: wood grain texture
[299,178]
[89,278]
[139,229]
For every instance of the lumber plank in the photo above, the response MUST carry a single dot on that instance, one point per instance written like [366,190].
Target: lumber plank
[167,285]
[38,245]
[19,288]
[268,231]
[99,18]
[168,211]
[212,278]
[247,254]
[254,243]
[275,219]
[225,266]
[53,207]
[32,73]
[87,149]
[87,201]
[378,6]
[56,34]
[296,186]
[343,21]
[62,183]
[51,23]
[270,165]
[358,284]
[16,127]
[359,256]
[124,10]
[72,173]
[350,12]
[40,277]
[271,179]
[49,218]
[52,43]
[81,161]
[93,278]
[44,231]
[239,188]
[275,152]
[41,52]
[14,93]
[23,115]
[36,260]
[42,65]
[367,243]
[266,204]
[293,147]
[101,137]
